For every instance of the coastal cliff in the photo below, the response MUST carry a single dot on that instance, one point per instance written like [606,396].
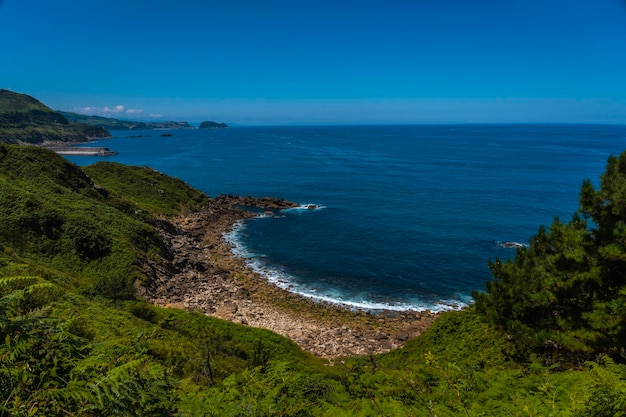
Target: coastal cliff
[24,119]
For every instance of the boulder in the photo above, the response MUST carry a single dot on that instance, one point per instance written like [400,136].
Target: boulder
[227,310]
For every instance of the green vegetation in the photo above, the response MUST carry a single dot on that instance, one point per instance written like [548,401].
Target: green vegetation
[565,296]
[146,188]
[545,339]
[212,125]
[117,124]
[24,119]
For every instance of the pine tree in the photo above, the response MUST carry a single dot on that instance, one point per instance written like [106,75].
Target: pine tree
[565,295]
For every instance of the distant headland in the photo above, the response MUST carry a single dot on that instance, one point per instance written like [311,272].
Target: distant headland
[25,120]
[110,123]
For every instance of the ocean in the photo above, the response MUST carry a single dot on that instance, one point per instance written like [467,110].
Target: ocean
[408,216]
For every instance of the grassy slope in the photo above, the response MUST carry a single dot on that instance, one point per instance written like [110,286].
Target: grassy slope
[143,186]
[23,119]
[130,358]
[15,102]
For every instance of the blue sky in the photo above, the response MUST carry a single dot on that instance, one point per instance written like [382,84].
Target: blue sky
[321,62]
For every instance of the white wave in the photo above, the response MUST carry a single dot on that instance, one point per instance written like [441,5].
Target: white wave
[440,306]
[305,207]
[286,281]
[511,245]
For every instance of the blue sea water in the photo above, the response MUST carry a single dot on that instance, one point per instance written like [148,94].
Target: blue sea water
[410,215]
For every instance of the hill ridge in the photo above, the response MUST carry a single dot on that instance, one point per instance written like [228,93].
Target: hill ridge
[25,120]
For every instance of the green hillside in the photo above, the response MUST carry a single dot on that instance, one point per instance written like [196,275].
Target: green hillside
[76,340]
[110,123]
[23,119]
[21,103]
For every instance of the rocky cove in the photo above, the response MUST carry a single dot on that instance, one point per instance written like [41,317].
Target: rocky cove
[198,272]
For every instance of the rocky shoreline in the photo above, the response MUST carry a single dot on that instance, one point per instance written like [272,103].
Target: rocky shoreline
[198,272]
[74,150]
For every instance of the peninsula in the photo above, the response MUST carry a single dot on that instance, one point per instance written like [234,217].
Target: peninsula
[110,123]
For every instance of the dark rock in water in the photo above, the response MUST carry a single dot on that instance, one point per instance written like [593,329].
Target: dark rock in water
[266,203]
[166,135]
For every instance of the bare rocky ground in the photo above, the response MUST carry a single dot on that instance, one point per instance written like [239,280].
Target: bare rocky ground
[198,272]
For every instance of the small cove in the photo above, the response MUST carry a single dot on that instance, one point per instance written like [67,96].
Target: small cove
[411,214]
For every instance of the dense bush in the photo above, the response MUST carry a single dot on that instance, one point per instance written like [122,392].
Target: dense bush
[87,239]
[115,287]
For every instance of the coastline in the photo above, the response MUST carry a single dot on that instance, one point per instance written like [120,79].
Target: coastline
[72,148]
[199,272]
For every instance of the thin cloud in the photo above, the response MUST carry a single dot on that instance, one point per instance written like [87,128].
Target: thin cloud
[116,109]
[106,110]
[85,110]
[156,115]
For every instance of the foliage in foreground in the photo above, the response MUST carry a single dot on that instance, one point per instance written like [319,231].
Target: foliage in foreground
[564,296]
[75,340]
[66,354]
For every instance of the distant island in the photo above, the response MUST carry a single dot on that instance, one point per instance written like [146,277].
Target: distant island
[212,125]
[110,123]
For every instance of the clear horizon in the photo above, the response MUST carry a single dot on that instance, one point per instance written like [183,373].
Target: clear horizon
[283,63]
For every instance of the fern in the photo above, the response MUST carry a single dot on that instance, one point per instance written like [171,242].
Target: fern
[135,385]
[608,389]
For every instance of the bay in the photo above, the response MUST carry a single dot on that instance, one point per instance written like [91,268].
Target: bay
[410,215]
